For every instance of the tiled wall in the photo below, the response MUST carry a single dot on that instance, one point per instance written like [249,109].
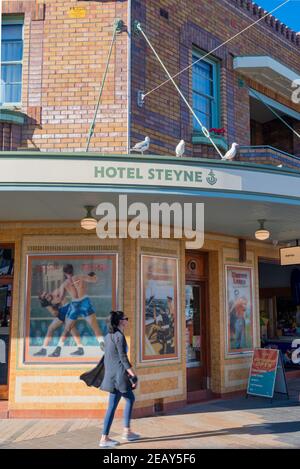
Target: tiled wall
[36,390]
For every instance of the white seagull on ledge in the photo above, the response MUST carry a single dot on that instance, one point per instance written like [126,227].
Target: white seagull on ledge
[180,149]
[141,146]
[231,153]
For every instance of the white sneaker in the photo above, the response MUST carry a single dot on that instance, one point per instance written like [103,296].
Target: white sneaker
[108,443]
[130,436]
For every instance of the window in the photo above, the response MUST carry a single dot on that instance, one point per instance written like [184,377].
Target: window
[205,92]
[11,61]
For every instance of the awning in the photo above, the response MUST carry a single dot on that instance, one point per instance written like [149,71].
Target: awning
[267,71]
[275,104]
[57,186]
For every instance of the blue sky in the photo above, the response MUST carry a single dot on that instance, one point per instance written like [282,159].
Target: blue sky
[288,14]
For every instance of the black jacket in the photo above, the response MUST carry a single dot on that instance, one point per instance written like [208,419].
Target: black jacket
[95,376]
[116,363]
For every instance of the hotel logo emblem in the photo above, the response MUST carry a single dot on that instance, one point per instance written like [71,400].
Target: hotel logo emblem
[211,179]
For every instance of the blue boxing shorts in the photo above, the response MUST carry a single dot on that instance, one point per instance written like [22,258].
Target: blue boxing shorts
[80,309]
[63,311]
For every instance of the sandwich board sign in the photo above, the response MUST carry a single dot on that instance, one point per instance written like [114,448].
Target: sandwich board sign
[267,374]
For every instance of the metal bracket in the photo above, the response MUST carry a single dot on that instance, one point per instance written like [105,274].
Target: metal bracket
[140,98]
[136,27]
[119,25]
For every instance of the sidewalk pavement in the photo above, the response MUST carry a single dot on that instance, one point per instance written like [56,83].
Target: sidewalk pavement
[227,423]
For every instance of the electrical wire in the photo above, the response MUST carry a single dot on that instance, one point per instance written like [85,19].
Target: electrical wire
[203,128]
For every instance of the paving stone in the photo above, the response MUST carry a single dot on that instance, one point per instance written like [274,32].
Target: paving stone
[231,423]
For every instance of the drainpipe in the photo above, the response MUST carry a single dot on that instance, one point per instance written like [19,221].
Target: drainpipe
[1,85]
[129,77]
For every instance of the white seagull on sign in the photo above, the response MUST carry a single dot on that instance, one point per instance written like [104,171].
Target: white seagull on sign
[180,149]
[141,146]
[231,153]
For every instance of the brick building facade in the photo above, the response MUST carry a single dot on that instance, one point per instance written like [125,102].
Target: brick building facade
[47,180]
[65,52]
[205,25]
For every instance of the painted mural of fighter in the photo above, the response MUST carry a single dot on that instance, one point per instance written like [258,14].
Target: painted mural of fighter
[80,306]
[59,311]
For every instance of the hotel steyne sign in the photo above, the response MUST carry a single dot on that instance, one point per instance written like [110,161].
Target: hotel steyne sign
[79,171]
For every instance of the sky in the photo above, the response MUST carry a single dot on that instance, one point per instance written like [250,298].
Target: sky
[288,14]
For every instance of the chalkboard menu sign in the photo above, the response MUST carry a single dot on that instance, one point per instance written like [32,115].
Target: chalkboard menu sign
[267,374]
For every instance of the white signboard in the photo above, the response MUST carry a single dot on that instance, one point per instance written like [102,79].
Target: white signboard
[290,256]
[63,171]
[68,171]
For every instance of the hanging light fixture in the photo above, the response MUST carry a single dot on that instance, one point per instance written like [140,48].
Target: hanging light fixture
[262,234]
[89,222]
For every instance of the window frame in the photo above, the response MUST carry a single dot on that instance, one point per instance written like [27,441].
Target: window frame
[215,99]
[12,20]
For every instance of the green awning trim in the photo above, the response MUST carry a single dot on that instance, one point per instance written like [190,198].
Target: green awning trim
[12,117]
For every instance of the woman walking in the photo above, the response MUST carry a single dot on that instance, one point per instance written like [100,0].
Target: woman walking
[119,378]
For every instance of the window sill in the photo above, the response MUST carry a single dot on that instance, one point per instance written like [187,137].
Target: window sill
[200,139]
[11,116]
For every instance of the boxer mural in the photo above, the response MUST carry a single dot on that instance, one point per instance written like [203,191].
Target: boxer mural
[68,299]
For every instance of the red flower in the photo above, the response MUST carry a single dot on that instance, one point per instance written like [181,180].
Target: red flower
[218,131]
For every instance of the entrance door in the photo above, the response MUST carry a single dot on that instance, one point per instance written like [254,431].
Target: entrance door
[6,283]
[196,317]
[195,336]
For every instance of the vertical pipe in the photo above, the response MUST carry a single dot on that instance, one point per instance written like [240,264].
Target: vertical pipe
[1,87]
[129,32]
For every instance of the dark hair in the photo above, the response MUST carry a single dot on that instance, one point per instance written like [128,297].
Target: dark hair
[68,269]
[114,319]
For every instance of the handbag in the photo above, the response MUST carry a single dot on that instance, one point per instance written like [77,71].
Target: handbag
[95,376]
[133,379]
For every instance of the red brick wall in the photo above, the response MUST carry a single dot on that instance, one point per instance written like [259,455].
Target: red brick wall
[204,24]
[279,135]
[65,56]
[63,65]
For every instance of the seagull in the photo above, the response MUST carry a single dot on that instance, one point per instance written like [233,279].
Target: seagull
[180,149]
[279,166]
[141,146]
[231,153]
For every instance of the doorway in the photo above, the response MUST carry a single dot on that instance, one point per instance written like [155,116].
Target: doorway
[6,294]
[196,319]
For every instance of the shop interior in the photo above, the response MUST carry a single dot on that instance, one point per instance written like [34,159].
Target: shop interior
[279,304]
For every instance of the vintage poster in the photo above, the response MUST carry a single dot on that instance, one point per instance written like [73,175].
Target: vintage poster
[68,298]
[159,307]
[239,309]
